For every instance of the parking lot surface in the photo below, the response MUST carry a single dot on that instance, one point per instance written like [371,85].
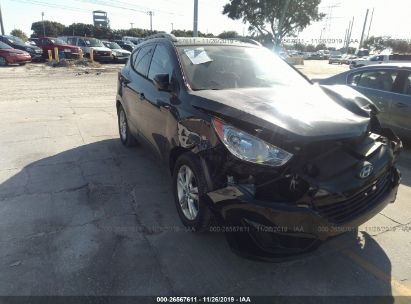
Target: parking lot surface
[82,215]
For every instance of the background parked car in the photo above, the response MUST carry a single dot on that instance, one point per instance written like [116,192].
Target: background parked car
[388,86]
[334,57]
[35,52]
[119,54]
[49,43]
[134,40]
[8,55]
[127,45]
[380,59]
[100,52]
[347,58]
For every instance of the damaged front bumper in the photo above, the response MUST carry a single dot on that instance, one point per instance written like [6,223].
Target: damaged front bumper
[270,230]
[330,204]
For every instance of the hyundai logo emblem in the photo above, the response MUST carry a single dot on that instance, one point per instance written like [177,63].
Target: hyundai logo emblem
[366,170]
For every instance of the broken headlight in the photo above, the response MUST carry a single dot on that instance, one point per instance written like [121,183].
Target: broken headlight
[248,147]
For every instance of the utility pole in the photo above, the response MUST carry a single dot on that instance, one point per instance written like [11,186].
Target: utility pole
[151,13]
[195,25]
[172,26]
[42,20]
[349,33]
[363,29]
[369,28]
[1,22]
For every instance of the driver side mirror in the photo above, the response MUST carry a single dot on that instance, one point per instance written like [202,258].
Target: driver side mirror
[162,83]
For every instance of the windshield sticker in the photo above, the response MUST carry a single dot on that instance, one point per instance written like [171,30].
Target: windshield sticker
[197,56]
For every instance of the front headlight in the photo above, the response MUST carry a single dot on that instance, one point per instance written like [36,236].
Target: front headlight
[115,53]
[250,148]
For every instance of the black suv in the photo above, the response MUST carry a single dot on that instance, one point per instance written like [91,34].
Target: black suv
[278,163]
[35,52]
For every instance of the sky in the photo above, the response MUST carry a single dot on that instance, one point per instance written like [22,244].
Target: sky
[390,18]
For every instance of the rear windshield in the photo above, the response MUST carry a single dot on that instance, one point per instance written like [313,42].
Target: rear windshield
[228,67]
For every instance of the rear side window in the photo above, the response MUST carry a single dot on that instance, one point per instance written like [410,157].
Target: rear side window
[407,85]
[142,60]
[377,79]
[161,63]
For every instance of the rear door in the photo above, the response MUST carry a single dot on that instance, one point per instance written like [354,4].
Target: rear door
[401,104]
[378,85]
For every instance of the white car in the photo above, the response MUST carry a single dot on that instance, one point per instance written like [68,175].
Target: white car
[375,59]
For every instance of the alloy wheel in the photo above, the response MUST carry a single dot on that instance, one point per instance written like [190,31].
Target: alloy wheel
[187,191]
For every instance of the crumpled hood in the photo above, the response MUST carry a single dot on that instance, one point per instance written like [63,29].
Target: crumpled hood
[304,111]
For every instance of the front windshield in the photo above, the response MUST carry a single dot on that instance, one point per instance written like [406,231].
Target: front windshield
[228,67]
[93,42]
[4,46]
[112,45]
[15,40]
[57,41]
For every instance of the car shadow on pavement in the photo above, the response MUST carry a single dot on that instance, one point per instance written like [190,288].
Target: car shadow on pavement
[100,219]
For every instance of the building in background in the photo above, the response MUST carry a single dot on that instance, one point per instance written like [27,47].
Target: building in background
[100,19]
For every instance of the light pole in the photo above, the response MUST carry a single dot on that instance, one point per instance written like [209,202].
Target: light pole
[1,22]
[42,20]
[172,26]
[151,13]
[195,25]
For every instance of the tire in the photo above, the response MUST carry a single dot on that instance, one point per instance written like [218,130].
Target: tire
[127,139]
[3,61]
[23,63]
[201,217]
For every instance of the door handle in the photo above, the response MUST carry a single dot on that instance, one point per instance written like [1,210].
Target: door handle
[142,96]
[401,105]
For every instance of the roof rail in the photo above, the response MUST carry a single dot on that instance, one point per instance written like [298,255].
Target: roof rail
[247,40]
[162,35]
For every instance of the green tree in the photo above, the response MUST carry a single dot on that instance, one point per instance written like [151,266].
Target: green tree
[19,33]
[79,29]
[275,18]
[52,28]
[320,46]
[228,34]
[310,48]
[399,46]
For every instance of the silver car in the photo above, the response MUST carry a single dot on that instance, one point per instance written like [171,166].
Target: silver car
[388,86]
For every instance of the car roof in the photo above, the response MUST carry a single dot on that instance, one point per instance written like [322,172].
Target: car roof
[192,41]
[406,65]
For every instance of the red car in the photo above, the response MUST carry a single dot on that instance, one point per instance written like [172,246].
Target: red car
[8,55]
[65,50]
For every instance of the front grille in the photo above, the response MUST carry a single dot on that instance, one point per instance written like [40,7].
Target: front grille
[356,205]
[102,53]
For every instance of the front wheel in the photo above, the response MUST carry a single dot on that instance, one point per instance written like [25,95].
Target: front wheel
[189,185]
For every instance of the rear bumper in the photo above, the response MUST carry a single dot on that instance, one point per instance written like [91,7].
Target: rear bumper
[276,230]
